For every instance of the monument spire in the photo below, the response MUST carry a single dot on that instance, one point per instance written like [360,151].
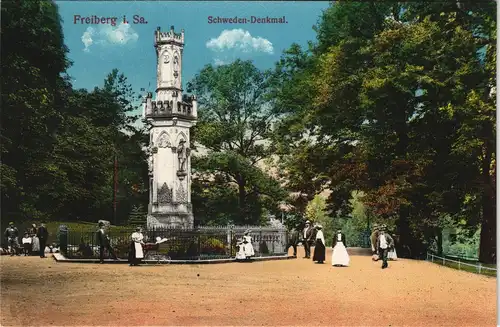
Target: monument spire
[171,119]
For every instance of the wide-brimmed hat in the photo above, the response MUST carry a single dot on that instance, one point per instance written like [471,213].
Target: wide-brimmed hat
[308,221]
[318,226]
[248,231]
[11,223]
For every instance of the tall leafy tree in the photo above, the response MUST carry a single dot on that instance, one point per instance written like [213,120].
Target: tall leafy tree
[34,61]
[235,118]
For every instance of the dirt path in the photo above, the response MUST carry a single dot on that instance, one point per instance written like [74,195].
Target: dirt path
[41,292]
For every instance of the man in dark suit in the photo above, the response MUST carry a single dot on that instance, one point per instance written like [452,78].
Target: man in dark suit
[308,235]
[104,243]
[42,235]
[293,240]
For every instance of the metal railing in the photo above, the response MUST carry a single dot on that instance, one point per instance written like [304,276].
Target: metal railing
[461,265]
[183,244]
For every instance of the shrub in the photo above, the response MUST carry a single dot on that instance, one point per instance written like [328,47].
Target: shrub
[213,246]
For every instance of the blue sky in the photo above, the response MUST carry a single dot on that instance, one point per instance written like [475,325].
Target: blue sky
[96,49]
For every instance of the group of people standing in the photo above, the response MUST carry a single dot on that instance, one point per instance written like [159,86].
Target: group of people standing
[33,241]
[245,247]
[314,235]
[137,248]
[382,244]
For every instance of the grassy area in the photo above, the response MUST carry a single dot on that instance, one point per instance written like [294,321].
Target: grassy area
[464,265]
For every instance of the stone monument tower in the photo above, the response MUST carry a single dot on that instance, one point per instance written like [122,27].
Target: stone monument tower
[171,116]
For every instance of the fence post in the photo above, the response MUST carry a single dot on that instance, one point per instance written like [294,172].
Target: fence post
[459,264]
[199,245]
[432,258]
[63,239]
[479,268]
[443,261]
[260,240]
[427,259]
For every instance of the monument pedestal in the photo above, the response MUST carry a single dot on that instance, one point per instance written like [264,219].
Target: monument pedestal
[174,215]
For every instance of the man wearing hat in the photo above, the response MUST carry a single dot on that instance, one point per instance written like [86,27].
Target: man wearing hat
[308,235]
[42,235]
[384,243]
[12,234]
[104,243]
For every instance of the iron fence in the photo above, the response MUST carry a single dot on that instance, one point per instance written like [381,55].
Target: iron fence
[477,268]
[183,244]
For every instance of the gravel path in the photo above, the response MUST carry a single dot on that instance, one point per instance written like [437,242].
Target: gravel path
[41,292]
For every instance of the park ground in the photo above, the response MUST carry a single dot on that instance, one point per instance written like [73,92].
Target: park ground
[42,292]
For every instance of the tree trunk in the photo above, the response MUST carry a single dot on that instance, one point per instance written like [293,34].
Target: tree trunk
[439,232]
[242,195]
[404,231]
[488,242]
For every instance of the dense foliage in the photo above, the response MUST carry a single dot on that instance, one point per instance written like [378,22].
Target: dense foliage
[392,110]
[396,100]
[59,144]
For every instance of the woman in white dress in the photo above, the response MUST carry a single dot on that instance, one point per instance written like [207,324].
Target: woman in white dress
[248,247]
[136,253]
[340,257]
[240,255]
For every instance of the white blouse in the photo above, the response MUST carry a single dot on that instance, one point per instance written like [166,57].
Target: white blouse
[137,237]
[319,236]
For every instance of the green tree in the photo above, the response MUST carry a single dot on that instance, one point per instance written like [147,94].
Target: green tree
[379,84]
[34,64]
[317,213]
[233,126]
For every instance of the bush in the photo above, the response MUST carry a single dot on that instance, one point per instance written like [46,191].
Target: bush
[213,246]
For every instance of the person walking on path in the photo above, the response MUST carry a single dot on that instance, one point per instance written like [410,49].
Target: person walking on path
[307,234]
[384,243]
[340,257]
[104,243]
[319,246]
[12,234]
[42,235]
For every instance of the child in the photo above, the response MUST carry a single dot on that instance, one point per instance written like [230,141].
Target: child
[26,244]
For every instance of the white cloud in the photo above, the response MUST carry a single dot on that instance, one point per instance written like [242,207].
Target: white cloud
[219,62]
[239,39]
[87,38]
[109,35]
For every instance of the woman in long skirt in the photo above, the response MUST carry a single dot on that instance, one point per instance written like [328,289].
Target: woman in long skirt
[319,246]
[248,247]
[136,253]
[340,257]
[35,242]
